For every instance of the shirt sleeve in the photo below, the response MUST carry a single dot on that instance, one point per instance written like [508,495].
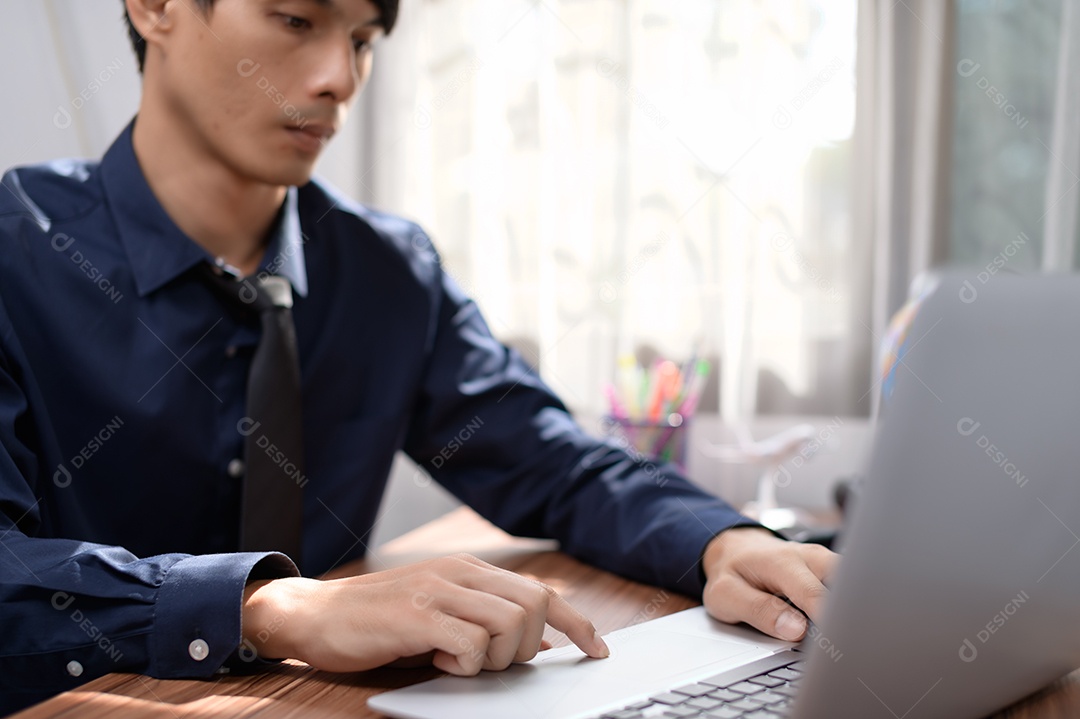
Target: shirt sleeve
[490,431]
[71,611]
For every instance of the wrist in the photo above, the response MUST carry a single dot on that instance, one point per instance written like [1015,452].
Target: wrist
[270,613]
[722,544]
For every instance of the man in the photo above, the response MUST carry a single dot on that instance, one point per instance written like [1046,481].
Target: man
[128,440]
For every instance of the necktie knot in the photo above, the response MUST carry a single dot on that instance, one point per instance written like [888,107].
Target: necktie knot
[276,290]
[259,292]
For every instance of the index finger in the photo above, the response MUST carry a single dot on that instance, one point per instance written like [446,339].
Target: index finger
[575,625]
[803,586]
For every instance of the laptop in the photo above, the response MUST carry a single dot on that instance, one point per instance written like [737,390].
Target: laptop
[959,588]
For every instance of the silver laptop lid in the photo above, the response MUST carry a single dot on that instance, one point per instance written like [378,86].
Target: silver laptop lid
[959,592]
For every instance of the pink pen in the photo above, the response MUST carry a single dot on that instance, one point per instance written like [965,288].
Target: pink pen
[618,411]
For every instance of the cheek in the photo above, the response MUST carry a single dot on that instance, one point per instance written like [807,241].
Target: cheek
[247,95]
[237,74]
[364,65]
[215,84]
[268,91]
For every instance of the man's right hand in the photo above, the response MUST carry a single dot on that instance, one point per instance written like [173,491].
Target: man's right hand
[470,614]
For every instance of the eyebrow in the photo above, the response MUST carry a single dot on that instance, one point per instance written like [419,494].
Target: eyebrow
[332,5]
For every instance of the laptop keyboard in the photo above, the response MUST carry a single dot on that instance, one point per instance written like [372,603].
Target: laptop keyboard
[766,695]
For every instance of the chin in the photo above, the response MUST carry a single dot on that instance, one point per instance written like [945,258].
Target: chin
[296,177]
[293,174]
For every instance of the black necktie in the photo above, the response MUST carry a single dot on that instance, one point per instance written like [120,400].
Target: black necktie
[271,514]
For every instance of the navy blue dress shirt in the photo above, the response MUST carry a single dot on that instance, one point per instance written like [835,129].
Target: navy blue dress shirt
[122,390]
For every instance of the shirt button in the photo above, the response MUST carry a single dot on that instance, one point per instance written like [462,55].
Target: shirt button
[74,668]
[236,468]
[230,351]
[198,650]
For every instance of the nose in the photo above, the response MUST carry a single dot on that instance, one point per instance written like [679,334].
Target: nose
[337,71]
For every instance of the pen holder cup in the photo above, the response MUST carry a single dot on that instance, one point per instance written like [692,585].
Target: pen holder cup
[661,441]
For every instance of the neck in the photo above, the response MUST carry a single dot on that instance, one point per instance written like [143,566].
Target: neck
[228,215]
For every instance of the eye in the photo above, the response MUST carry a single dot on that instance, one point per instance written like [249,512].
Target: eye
[360,44]
[295,23]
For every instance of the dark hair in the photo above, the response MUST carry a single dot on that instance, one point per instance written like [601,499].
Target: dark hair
[388,9]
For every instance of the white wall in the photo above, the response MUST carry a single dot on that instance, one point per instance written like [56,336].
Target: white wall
[90,74]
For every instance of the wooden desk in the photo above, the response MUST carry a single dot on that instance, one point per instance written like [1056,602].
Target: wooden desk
[296,690]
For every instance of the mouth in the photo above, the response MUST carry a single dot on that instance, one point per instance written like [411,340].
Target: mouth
[311,136]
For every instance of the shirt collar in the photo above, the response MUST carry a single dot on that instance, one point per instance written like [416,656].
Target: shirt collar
[285,252]
[159,251]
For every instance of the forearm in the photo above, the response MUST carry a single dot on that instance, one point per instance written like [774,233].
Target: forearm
[488,428]
[643,520]
[72,612]
[647,522]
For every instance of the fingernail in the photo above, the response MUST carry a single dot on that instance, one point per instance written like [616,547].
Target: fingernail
[790,626]
[602,650]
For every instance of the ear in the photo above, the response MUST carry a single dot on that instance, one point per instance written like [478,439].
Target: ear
[151,18]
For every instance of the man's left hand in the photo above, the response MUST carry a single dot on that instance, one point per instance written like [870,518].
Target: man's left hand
[748,569]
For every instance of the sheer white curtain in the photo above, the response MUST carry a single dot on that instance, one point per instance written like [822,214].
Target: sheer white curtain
[902,141]
[967,143]
[608,175]
[1062,215]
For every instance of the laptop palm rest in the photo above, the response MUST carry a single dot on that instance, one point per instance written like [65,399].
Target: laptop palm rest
[645,660]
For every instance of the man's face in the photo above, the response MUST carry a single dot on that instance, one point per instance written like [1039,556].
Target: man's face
[262,85]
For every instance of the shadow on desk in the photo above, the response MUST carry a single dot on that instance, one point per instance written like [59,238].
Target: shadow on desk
[290,690]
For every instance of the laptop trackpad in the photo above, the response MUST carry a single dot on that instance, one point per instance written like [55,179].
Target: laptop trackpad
[563,682]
